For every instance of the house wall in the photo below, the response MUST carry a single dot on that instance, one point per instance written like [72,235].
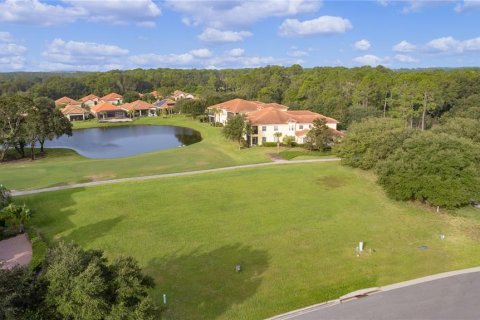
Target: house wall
[91,102]
[286,129]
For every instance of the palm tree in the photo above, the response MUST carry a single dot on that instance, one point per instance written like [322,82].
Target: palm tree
[277,136]
[16,216]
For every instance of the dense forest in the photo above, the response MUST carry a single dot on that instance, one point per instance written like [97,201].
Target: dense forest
[418,96]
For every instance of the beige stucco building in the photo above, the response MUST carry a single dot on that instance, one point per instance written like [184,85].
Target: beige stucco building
[270,119]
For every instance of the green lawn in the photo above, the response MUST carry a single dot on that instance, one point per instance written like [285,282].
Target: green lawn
[292,228]
[61,167]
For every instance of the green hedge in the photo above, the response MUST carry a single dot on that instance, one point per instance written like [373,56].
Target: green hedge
[290,154]
[39,249]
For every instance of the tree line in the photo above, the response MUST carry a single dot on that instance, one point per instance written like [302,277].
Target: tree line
[439,166]
[416,96]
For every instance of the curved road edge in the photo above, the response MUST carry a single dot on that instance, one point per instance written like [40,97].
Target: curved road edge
[166,175]
[370,291]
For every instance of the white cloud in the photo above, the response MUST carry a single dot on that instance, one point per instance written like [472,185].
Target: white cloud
[201,53]
[404,58]
[320,25]
[214,35]
[36,12]
[362,45]
[444,44]
[5,36]
[471,45]
[223,14]
[297,53]
[84,56]
[404,46]
[418,5]
[11,54]
[12,63]
[162,60]
[142,12]
[369,59]
[236,52]
[467,5]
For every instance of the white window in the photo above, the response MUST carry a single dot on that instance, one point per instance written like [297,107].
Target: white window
[300,126]
[264,128]
[264,139]
[310,126]
[275,128]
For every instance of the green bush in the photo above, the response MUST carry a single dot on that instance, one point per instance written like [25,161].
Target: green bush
[269,144]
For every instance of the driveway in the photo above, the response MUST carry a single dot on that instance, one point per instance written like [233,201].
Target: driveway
[455,296]
[15,251]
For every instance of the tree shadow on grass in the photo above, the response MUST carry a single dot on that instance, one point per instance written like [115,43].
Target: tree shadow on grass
[52,216]
[204,285]
[90,232]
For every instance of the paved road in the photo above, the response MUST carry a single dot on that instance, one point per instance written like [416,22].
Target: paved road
[167,175]
[452,297]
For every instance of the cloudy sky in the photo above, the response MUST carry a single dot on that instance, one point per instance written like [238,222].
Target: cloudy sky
[91,35]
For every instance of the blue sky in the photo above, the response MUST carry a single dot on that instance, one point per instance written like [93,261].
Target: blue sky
[91,35]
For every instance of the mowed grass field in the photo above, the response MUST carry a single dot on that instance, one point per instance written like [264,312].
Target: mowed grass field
[63,166]
[293,229]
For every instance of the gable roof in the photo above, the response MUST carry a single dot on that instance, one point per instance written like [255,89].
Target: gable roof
[89,97]
[65,100]
[105,106]
[272,115]
[177,93]
[73,109]
[246,106]
[305,116]
[137,105]
[112,96]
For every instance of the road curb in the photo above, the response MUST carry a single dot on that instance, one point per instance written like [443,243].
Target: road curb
[358,294]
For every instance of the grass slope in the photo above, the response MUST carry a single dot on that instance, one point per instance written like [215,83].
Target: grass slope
[292,228]
[62,167]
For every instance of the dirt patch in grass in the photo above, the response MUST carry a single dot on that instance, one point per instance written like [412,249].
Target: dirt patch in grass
[332,182]
[100,177]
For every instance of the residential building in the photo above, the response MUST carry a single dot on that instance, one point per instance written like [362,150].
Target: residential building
[178,95]
[106,110]
[113,98]
[221,112]
[63,101]
[75,112]
[139,108]
[267,119]
[90,100]
[268,122]
[165,104]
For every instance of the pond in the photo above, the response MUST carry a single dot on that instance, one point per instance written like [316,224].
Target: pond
[124,141]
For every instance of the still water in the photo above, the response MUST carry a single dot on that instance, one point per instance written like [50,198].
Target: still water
[123,141]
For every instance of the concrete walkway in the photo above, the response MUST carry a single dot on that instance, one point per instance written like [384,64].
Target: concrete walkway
[449,295]
[167,175]
[15,251]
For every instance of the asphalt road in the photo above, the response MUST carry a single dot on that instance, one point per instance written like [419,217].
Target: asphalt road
[455,297]
[167,175]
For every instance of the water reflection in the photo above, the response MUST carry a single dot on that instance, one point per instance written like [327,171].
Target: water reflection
[114,142]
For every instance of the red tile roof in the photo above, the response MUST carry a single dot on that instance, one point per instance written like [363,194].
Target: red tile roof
[104,106]
[89,97]
[245,106]
[271,115]
[65,100]
[111,96]
[137,105]
[73,109]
